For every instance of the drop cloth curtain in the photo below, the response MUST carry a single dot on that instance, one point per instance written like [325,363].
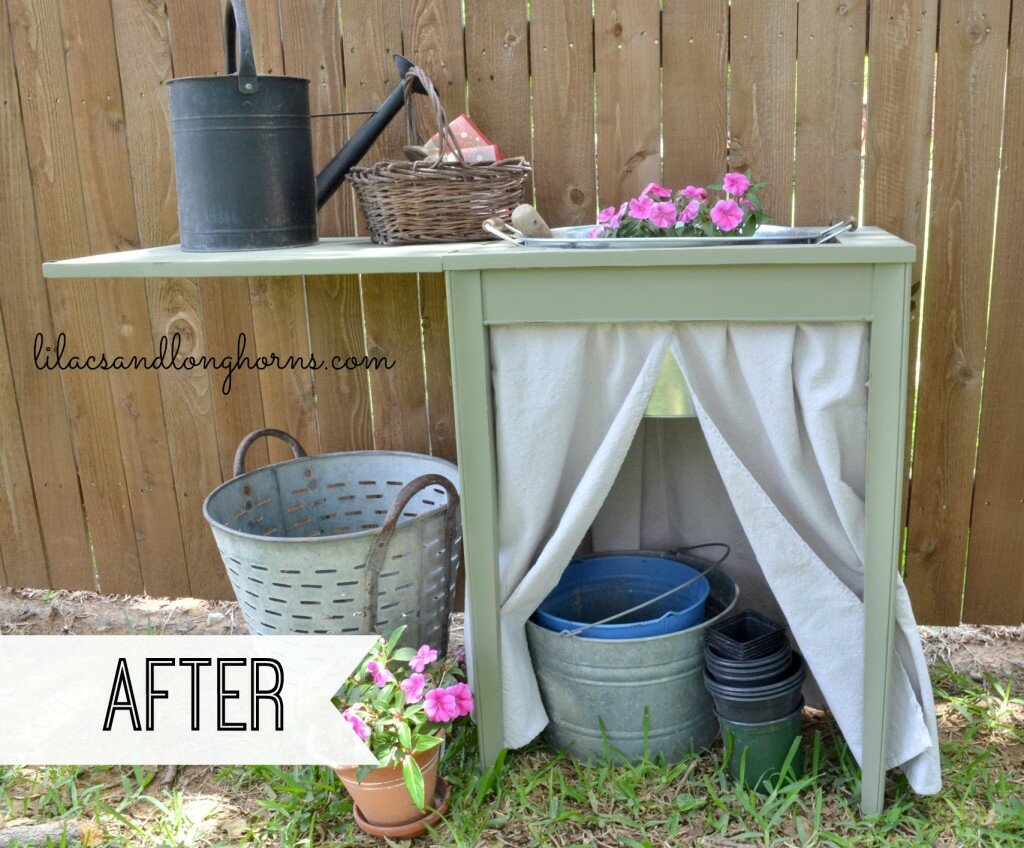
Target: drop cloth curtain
[782,410]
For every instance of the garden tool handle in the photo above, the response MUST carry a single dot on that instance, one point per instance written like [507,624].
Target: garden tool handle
[243,448]
[238,38]
[382,539]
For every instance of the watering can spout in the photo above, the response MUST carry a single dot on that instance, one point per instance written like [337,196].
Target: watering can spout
[328,180]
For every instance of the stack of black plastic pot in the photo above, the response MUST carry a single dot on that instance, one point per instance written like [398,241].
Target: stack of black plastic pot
[756,680]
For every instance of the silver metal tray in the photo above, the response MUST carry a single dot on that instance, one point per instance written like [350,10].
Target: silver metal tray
[576,237]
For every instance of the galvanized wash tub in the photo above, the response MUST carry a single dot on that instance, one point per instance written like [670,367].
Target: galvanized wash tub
[589,682]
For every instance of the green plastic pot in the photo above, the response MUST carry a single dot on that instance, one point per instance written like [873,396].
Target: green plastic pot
[759,752]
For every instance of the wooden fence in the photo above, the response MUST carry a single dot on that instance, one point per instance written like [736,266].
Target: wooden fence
[103,473]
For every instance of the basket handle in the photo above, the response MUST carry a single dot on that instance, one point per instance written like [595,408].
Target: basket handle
[382,539]
[243,448]
[417,75]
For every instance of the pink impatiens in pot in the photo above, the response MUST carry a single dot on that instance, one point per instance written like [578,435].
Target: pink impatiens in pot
[401,702]
[691,211]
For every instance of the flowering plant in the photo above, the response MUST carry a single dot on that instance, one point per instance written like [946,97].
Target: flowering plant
[659,211]
[399,702]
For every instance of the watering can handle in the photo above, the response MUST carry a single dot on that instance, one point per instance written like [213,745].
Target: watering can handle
[236,22]
[381,541]
[243,448]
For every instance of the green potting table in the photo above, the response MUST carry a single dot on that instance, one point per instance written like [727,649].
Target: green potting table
[865,276]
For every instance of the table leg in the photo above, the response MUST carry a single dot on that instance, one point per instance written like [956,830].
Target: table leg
[474,432]
[884,524]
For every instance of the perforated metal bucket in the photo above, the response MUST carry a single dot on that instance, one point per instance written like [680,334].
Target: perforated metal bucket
[354,542]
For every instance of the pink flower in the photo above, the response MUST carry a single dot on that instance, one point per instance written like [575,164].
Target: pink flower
[605,215]
[595,232]
[746,204]
[361,728]
[641,207]
[663,214]
[381,676]
[413,688]
[695,193]
[440,705]
[463,698]
[727,215]
[689,211]
[735,183]
[657,190]
[424,657]
[616,219]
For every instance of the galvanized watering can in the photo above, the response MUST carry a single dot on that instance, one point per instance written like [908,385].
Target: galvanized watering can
[243,152]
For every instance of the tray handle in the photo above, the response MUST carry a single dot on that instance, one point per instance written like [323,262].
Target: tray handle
[503,230]
[243,448]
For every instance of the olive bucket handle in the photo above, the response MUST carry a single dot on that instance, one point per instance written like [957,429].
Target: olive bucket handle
[239,47]
[243,448]
[382,539]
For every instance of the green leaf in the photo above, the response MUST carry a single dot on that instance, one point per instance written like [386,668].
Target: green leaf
[403,654]
[425,741]
[404,735]
[414,781]
[394,637]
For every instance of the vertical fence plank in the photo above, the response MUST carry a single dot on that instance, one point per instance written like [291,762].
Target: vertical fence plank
[279,320]
[901,77]
[626,62]
[994,592]
[399,393]
[44,424]
[562,65]
[313,48]
[438,360]
[143,46]
[227,323]
[370,40]
[343,397]
[762,35]
[224,302]
[98,111]
[498,69]
[829,110]
[968,105]
[279,303]
[432,35]
[60,216]
[694,53]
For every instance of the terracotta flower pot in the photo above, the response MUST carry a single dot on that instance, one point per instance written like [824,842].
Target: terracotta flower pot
[382,796]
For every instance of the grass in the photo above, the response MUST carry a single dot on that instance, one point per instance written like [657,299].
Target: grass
[537,797]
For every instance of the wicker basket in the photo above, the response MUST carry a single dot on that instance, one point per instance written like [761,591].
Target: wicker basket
[423,203]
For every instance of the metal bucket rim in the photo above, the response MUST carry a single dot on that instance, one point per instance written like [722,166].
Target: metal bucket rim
[254,537]
[699,582]
[644,552]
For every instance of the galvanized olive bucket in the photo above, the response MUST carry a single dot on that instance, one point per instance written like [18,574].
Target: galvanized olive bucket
[624,684]
[357,542]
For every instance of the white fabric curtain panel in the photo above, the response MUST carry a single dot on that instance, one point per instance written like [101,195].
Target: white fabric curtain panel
[776,470]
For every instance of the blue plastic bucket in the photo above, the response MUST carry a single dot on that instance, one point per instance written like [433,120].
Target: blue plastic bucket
[595,588]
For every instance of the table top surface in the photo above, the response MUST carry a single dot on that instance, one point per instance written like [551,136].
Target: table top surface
[867,245]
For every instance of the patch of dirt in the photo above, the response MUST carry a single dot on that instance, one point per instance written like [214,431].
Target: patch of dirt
[977,650]
[60,613]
